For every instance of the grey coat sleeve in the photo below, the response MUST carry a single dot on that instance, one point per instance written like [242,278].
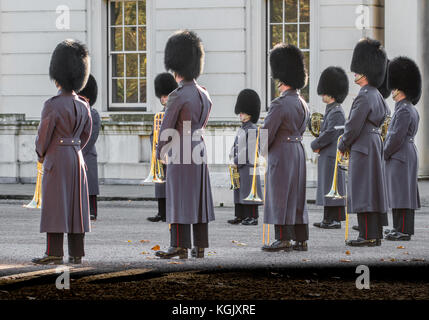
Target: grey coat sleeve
[271,124]
[174,105]
[358,114]
[45,130]
[397,133]
[95,129]
[329,135]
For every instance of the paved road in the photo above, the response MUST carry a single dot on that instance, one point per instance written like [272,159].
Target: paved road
[115,242]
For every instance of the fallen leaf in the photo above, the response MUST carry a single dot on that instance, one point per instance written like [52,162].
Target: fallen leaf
[393,259]
[144,252]
[156,248]
[305,260]
[345,260]
[348,252]
[418,259]
[174,262]
[144,241]
[406,252]
[400,247]
[238,243]
[129,241]
[313,294]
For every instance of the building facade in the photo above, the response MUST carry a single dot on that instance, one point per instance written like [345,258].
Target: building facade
[126,39]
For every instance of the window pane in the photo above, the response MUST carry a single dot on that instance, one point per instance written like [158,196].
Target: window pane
[305,93]
[142,90]
[291,34]
[117,65]
[291,10]
[118,90]
[304,36]
[275,92]
[276,35]
[142,12]
[130,13]
[116,39]
[132,65]
[304,10]
[143,62]
[142,39]
[132,90]
[276,10]
[116,13]
[130,39]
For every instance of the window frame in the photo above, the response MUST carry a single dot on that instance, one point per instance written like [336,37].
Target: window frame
[135,106]
[312,50]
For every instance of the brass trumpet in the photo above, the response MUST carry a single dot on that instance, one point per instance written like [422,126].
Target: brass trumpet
[36,202]
[234,176]
[156,173]
[253,195]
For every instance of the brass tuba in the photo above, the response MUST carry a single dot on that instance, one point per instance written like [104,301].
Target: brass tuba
[315,123]
[36,202]
[156,173]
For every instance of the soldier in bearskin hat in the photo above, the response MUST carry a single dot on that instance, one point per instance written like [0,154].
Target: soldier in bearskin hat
[285,124]
[366,188]
[248,107]
[188,190]
[333,87]
[90,152]
[164,85]
[400,151]
[64,130]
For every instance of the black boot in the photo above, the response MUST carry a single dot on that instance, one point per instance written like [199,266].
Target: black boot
[387,231]
[75,260]
[93,217]
[398,236]
[328,225]
[236,220]
[300,246]
[172,252]
[197,252]
[48,260]
[356,228]
[250,222]
[360,242]
[278,245]
[155,218]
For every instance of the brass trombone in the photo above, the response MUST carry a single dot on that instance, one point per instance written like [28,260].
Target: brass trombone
[253,195]
[156,173]
[343,162]
[36,202]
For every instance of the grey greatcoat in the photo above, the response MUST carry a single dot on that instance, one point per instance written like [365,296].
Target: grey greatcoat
[90,154]
[188,190]
[159,187]
[366,186]
[286,173]
[327,144]
[243,154]
[65,128]
[400,154]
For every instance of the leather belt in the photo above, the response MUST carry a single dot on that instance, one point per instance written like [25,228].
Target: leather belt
[69,142]
[293,139]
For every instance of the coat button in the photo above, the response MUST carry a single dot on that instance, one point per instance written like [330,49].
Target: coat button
[61,141]
[72,141]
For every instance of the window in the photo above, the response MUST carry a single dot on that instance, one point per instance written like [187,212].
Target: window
[127,54]
[288,21]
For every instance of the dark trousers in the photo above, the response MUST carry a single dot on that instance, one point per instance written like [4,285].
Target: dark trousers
[297,232]
[244,211]
[371,225]
[93,205]
[334,214]
[180,235]
[403,220]
[55,242]
[162,208]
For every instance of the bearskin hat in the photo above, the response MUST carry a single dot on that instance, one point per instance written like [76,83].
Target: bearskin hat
[404,75]
[164,84]
[248,102]
[287,65]
[369,59]
[383,89]
[334,82]
[184,54]
[90,91]
[70,65]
